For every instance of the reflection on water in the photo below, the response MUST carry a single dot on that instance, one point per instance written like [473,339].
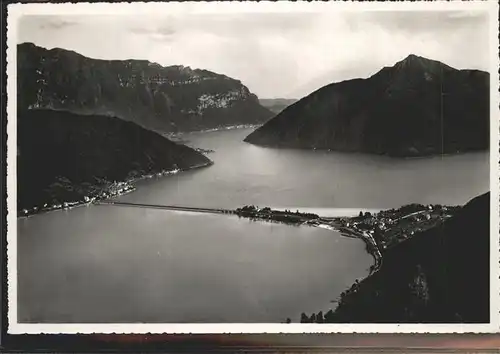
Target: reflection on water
[116,264]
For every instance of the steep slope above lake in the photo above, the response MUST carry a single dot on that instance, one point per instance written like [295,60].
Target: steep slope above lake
[64,157]
[168,99]
[441,275]
[417,107]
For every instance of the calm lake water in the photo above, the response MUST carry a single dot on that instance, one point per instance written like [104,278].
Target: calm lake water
[121,264]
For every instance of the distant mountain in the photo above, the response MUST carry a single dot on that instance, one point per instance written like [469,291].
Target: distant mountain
[167,99]
[276,105]
[440,275]
[63,157]
[416,107]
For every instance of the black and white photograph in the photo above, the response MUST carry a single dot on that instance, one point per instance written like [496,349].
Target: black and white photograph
[253,167]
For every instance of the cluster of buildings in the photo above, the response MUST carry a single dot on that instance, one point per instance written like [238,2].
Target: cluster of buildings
[392,226]
[267,213]
[114,190]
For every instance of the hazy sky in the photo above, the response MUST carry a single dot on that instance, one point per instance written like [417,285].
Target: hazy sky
[274,54]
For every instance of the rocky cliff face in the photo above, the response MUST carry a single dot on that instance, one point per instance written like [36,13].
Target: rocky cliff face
[167,99]
[65,157]
[441,275]
[417,107]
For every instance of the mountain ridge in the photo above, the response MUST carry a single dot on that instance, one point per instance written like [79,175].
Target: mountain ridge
[167,99]
[150,63]
[434,102]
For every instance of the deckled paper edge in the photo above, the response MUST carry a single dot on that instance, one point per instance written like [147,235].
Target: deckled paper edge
[15,11]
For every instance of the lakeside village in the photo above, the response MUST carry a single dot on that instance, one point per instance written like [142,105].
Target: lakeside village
[92,193]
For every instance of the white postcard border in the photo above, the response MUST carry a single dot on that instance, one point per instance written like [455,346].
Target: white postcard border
[15,11]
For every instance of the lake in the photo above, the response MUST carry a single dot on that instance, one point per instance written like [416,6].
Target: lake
[102,263]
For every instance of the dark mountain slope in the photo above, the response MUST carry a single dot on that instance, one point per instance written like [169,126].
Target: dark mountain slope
[170,99]
[417,107]
[441,275]
[63,156]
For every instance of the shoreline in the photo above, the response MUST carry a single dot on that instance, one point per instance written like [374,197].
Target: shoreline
[113,190]
[335,224]
[386,155]
[175,135]
[370,243]
[310,219]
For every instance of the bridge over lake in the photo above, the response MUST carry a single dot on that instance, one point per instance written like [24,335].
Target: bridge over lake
[167,207]
[189,209]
